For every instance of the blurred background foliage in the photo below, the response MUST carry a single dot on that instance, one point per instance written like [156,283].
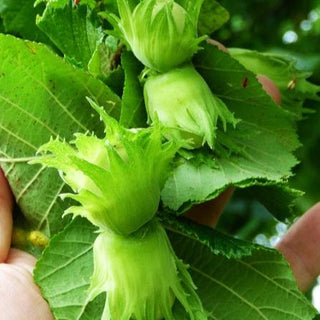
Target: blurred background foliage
[273,25]
[291,28]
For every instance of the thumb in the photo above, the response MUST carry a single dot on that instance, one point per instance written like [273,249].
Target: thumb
[6,205]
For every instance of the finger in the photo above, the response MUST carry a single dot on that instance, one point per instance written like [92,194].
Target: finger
[22,259]
[6,205]
[301,248]
[20,296]
[217,44]
[208,213]
[270,88]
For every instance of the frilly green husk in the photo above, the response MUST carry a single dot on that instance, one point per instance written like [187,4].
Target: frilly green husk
[142,277]
[161,33]
[183,104]
[118,179]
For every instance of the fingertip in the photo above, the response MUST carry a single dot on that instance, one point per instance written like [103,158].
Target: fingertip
[6,205]
[300,246]
[217,44]
[316,207]
[270,88]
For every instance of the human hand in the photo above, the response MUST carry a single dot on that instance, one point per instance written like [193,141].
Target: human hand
[20,296]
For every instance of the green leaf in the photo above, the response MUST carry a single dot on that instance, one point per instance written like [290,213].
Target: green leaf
[73,29]
[293,84]
[258,151]
[115,81]
[212,17]
[229,288]
[218,243]
[308,172]
[94,309]
[41,96]
[104,64]
[65,269]
[278,199]
[103,59]
[19,18]
[133,112]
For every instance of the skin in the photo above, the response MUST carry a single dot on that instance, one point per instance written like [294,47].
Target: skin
[270,88]
[208,213]
[217,44]
[20,297]
[301,248]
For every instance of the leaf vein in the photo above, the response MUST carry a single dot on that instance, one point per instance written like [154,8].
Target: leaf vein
[18,138]
[29,184]
[45,216]
[270,279]
[44,125]
[65,264]
[231,291]
[59,103]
